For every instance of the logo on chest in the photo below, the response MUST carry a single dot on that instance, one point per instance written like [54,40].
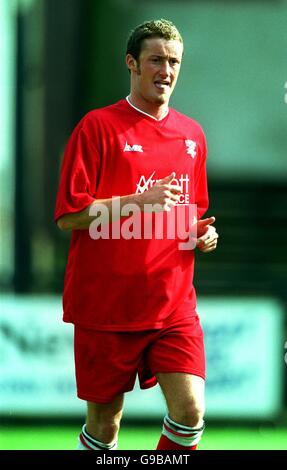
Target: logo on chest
[133,148]
[190,147]
[183,181]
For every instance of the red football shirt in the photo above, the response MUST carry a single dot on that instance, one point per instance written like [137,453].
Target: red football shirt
[129,284]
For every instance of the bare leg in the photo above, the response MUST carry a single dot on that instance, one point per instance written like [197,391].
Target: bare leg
[183,426]
[184,394]
[103,420]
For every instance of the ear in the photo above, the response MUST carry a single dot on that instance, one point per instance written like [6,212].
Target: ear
[131,63]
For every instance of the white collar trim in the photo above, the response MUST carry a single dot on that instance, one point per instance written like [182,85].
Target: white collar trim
[149,115]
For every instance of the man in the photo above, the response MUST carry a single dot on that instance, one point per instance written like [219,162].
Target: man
[131,298]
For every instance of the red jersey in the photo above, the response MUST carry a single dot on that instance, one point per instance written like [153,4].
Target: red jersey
[129,284]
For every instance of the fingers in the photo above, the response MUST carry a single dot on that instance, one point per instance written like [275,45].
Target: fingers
[172,196]
[166,182]
[209,248]
[209,244]
[171,200]
[203,222]
[208,238]
[203,227]
[174,188]
[209,235]
[171,192]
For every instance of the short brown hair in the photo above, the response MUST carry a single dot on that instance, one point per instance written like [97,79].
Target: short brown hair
[151,29]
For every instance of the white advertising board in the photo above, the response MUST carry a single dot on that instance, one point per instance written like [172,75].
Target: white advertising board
[244,348]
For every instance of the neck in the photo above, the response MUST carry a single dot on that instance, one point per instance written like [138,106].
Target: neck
[158,111]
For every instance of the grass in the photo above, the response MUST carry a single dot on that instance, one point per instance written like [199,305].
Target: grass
[143,438]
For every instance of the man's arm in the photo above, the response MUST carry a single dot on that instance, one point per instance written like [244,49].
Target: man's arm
[163,193]
[82,220]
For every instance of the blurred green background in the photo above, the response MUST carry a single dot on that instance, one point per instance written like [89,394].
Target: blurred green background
[61,58]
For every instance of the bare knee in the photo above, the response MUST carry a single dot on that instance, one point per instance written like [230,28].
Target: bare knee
[190,414]
[103,421]
[104,432]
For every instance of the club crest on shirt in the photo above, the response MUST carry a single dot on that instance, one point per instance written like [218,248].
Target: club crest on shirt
[190,147]
[133,148]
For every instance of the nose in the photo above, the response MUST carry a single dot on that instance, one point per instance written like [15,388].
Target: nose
[165,68]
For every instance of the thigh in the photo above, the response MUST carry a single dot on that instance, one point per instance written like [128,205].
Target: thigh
[182,391]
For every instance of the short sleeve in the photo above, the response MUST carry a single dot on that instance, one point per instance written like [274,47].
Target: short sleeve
[79,174]
[201,189]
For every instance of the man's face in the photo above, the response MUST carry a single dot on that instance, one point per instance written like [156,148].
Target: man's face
[157,69]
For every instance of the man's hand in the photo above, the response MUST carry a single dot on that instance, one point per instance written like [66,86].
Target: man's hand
[206,235]
[163,195]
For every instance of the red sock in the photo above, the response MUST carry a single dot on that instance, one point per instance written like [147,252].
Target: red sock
[167,444]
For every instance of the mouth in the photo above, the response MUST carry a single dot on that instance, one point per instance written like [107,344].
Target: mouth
[162,85]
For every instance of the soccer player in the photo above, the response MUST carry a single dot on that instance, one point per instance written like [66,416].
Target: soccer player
[128,292]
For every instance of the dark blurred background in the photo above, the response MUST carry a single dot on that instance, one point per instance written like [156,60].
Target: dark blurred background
[62,58]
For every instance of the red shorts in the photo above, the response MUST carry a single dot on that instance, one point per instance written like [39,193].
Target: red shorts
[107,363]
